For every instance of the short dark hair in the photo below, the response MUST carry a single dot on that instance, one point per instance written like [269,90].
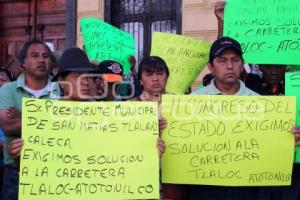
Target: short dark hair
[151,64]
[8,73]
[26,45]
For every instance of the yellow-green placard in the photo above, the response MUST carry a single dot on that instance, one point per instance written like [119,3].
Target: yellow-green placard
[268,30]
[89,150]
[186,57]
[292,88]
[228,140]
[103,41]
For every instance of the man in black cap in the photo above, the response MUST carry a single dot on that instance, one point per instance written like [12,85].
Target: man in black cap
[226,65]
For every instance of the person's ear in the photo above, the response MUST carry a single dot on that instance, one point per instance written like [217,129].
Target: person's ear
[243,67]
[61,82]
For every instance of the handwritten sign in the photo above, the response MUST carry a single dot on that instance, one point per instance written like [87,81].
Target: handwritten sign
[228,140]
[267,30]
[105,42]
[185,57]
[292,88]
[89,150]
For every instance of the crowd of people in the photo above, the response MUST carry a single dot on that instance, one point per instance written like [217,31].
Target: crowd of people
[75,78]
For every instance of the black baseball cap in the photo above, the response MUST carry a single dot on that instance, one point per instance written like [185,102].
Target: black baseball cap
[111,71]
[74,60]
[222,44]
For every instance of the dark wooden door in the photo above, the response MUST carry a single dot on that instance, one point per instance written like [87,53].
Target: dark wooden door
[21,20]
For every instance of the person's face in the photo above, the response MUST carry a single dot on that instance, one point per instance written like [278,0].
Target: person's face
[227,67]
[106,90]
[37,61]
[3,78]
[77,86]
[154,82]
[273,74]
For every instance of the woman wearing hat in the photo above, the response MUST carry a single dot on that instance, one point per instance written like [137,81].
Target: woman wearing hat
[74,76]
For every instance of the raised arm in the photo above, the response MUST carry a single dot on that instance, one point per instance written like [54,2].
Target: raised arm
[219,12]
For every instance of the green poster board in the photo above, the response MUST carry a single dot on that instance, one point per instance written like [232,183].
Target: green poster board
[186,57]
[102,41]
[268,30]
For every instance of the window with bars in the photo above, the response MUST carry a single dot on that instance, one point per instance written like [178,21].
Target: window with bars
[143,17]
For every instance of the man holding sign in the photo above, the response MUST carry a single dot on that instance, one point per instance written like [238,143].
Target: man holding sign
[272,80]
[226,64]
[74,82]
[34,82]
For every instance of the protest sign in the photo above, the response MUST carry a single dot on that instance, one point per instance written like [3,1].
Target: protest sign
[292,88]
[186,57]
[228,140]
[267,30]
[89,150]
[102,41]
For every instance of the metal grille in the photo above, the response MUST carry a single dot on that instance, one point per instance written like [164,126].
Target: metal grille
[143,17]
